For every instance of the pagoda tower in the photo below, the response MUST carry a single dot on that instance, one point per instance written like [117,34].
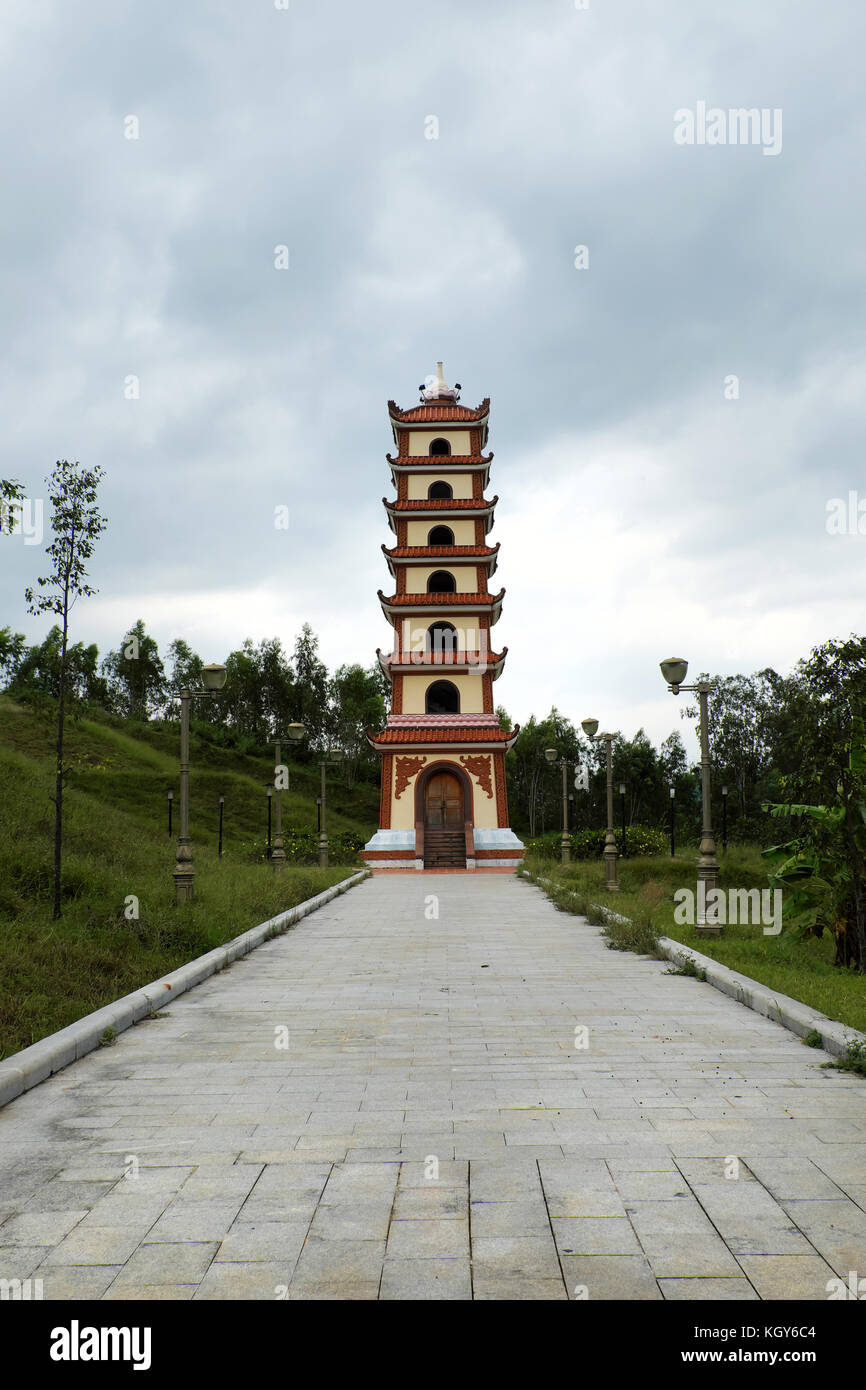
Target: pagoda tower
[443,798]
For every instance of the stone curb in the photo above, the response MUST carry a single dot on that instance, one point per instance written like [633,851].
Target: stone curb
[796,1017]
[31,1065]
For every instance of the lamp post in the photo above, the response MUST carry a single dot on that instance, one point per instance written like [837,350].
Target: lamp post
[724,820]
[170,804]
[622,815]
[333,759]
[220,848]
[550,755]
[590,728]
[270,795]
[213,679]
[673,813]
[674,672]
[278,854]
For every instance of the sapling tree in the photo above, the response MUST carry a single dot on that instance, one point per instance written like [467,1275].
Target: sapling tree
[76,525]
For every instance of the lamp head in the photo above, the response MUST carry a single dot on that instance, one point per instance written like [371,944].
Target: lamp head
[295,732]
[335,755]
[590,727]
[622,788]
[674,669]
[213,677]
[550,754]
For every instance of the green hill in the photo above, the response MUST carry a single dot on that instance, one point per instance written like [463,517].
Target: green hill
[116,846]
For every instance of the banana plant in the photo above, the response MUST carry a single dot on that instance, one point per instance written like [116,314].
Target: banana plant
[820,871]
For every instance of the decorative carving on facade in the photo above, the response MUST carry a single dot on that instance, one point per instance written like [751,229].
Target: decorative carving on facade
[479,766]
[406,769]
[501,796]
[385,797]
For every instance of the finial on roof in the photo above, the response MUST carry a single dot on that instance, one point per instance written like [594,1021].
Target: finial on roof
[435,387]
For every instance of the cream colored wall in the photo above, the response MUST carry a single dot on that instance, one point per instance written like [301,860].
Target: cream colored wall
[419,484]
[417,576]
[414,630]
[483,812]
[463,528]
[420,441]
[469,688]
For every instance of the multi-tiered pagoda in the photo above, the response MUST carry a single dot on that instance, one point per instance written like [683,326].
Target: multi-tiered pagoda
[443,800]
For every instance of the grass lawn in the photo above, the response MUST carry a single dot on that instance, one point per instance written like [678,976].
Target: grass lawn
[803,970]
[116,847]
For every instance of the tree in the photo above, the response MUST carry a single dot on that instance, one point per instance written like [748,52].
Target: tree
[76,525]
[739,708]
[356,704]
[537,784]
[818,737]
[136,675]
[634,762]
[241,701]
[11,494]
[311,680]
[185,671]
[12,649]
[38,670]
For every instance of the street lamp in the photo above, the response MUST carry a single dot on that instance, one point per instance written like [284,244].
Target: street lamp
[213,679]
[295,732]
[622,814]
[270,795]
[550,755]
[333,758]
[724,820]
[674,672]
[590,728]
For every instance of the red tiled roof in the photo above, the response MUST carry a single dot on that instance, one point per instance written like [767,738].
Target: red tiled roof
[445,504]
[443,658]
[463,734]
[406,552]
[439,410]
[440,461]
[423,600]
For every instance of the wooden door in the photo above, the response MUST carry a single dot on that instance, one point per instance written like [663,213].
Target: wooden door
[443,802]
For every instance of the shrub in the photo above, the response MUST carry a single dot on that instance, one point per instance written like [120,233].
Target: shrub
[302,847]
[640,840]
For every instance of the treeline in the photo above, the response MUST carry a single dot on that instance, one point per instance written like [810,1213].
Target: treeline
[773,739]
[265,689]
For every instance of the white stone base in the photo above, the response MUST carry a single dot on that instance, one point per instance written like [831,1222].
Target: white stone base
[501,838]
[392,839]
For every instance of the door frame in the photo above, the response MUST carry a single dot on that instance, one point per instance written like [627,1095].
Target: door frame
[458,771]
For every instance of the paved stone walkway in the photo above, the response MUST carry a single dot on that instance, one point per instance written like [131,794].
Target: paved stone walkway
[432,1130]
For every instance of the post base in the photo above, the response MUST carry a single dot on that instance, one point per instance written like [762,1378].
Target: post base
[184,884]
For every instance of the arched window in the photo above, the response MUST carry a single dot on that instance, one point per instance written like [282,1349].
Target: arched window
[441,535]
[441,582]
[440,446]
[440,490]
[442,698]
[441,637]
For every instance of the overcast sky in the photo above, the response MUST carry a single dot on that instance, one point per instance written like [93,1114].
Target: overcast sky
[650,506]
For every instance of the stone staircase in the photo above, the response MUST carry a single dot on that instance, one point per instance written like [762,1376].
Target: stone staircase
[444,849]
